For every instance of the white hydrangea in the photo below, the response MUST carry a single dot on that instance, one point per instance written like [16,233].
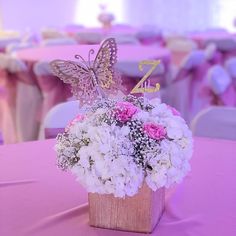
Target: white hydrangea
[103,152]
[106,165]
[172,164]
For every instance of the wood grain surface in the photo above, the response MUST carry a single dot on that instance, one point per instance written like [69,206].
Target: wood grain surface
[139,213]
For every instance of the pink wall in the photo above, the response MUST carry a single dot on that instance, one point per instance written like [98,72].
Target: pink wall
[35,14]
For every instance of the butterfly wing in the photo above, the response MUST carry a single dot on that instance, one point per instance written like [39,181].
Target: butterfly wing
[103,66]
[68,71]
[78,76]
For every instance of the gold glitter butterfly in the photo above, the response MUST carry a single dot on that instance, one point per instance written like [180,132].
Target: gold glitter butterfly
[93,79]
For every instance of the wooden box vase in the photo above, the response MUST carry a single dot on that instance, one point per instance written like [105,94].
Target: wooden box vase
[140,213]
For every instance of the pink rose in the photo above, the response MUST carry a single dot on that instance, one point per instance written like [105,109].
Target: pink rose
[154,131]
[124,111]
[174,111]
[74,121]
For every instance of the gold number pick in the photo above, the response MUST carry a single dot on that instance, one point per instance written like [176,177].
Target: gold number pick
[138,88]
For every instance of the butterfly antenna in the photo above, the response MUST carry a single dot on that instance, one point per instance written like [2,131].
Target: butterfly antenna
[91,52]
[82,61]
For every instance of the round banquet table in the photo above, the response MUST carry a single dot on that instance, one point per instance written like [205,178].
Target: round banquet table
[37,199]
[6,41]
[133,53]
[129,57]
[53,90]
[117,30]
[8,37]
[201,38]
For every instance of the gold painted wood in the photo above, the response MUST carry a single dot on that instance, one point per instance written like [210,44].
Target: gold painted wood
[139,213]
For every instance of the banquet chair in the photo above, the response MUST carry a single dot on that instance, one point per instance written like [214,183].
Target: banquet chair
[59,116]
[53,90]
[227,47]
[149,34]
[216,30]
[180,43]
[224,45]
[122,26]
[183,91]
[180,47]
[212,54]
[13,47]
[58,41]
[217,88]
[89,37]
[125,39]
[7,41]
[30,36]
[7,101]
[215,122]
[73,27]
[193,59]
[4,60]
[51,33]
[2,97]
[1,138]
[28,100]
[230,66]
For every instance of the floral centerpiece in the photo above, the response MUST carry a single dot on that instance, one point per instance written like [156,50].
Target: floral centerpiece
[116,146]
[124,151]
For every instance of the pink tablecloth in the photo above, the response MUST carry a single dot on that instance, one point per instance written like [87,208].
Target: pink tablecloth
[125,52]
[37,199]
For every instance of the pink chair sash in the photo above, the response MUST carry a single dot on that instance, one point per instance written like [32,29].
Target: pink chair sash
[11,89]
[2,96]
[217,58]
[177,57]
[234,83]
[52,132]
[28,102]
[1,139]
[228,98]
[152,40]
[26,77]
[228,54]
[192,101]
[3,75]
[197,76]
[8,107]
[15,122]
[197,73]
[8,85]
[3,93]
